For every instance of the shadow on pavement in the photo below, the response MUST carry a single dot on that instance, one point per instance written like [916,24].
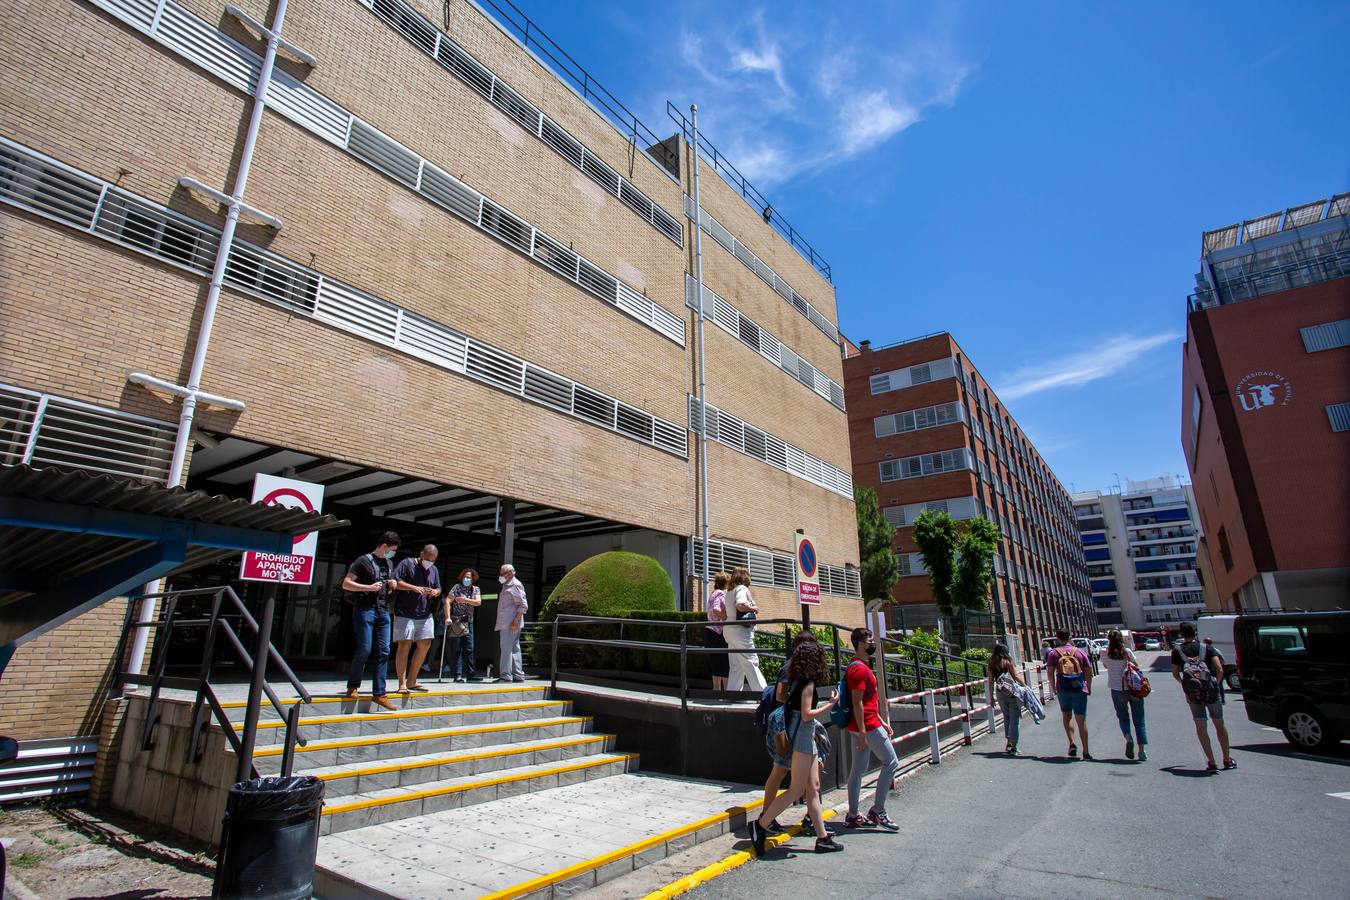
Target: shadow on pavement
[1183,772]
[1338,756]
[1056,760]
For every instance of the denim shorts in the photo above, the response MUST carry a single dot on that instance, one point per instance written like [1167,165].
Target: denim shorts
[1073,702]
[1198,710]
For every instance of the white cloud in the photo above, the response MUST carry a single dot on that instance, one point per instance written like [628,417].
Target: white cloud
[763,60]
[1111,357]
[871,119]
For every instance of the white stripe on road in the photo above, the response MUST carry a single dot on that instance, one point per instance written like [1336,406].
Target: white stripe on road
[1344,795]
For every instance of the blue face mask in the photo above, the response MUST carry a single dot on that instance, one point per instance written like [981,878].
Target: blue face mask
[389,554]
[468,582]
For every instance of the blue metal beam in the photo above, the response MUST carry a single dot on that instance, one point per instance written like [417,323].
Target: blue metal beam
[137,526]
[36,615]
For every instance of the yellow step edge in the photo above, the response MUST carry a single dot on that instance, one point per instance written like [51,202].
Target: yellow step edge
[414,713]
[578,740]
[581,868]
[487,782]
[334,698]
[397,736]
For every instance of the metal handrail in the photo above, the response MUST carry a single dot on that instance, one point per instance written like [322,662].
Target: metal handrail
[255,663]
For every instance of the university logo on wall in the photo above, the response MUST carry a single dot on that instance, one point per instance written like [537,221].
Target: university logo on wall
[1258,390]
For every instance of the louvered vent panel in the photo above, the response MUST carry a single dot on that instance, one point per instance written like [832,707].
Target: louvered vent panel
[465,67]
[1339,415]
[271,277]
[635,200]
[45,188]
[669,324]
[730,431]
[633,303]
[799,303]
[600,172]
[549,389]
[308,108]
[451,193]
[357,312]
[152,230]
[837,395]
[433,342]
[1327,336]
[722,236]
[769,348]
[555,256]
[592,406]
[17,411]
[182,31]
[667,224]
[487,363]
[138,13]
[670,437]
[76,436]
[567,146]
[506,226]
[634,422]
[744,255]
[724,314]
[761,566]
[748,332]
[754,444]
[597,281]
[407,23]
[733,556]
[783,288]
[383,153]
[763,271]
[515,106]
[784,573]
[775,452]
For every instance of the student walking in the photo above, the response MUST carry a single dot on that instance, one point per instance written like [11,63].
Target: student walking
[870,734]
[1121,667]
[1007,680]
[744,673]
[718,667]
[782,761]
[796,733]
[463,600]
[1198,669]
[419,585]
[1068,670]
[511,607]
[369,584]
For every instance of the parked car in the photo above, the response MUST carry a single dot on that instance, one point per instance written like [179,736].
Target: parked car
[1100,644]
[1219,630]
[1152,644]
[1295,673]
[1086,646]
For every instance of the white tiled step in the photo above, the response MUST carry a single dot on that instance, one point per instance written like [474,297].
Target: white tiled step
[389,804]
[549,844]
[417,719]
[409,771]
[448,694]
[367,748]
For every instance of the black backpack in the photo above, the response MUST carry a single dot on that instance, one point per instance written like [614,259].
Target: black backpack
[768,702]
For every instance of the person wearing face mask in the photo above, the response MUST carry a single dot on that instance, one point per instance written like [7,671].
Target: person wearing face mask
[419,584]
[511,607]
[871,736]
[463,599]
[369,585]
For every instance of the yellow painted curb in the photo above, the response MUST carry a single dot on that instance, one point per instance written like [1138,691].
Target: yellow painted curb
[415,713]
[581,868]
[722,866]
[398,736]
[487,782]
[423,763]
[336,698]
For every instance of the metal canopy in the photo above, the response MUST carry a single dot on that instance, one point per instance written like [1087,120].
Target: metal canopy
[70,540]
[234,461]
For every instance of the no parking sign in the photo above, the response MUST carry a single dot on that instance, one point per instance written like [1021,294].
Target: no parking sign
[808,571]
[296,567]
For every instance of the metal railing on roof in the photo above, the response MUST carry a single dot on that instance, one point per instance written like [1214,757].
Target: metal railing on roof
[623,118]
[751,194]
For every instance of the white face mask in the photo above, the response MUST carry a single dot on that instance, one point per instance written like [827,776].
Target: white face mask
[468,582]
[502,579]
[427,564]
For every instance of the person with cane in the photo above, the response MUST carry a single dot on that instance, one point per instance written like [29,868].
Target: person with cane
[459,608]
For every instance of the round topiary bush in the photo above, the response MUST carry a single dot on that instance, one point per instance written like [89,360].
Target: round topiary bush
[604,585]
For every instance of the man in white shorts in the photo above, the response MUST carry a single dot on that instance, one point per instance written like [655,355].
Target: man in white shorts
[419,584]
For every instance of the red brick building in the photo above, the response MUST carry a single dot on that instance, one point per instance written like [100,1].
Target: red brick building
[927,432]
[1265,418]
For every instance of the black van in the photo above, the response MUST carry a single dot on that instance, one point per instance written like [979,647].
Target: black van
[1295,673]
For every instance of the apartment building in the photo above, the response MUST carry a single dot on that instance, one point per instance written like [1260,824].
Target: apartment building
[459,296]
[1140,545]
[1265,417]
[928,433]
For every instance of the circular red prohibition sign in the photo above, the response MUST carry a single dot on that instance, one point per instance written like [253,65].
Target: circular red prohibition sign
[273,498]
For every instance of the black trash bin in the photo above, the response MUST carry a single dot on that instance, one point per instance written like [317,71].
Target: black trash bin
[270,839]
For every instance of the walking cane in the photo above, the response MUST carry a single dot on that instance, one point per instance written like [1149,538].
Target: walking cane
[445,637]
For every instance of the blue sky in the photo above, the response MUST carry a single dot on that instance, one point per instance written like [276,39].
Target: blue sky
[1033,178]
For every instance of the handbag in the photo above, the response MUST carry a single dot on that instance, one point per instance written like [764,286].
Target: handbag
[782,744]
[457,629]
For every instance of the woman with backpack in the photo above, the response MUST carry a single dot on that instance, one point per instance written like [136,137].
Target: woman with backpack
[795,732]
[1128,687]
[1006,679]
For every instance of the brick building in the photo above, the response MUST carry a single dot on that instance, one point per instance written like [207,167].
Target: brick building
[1265,418]
[929,433]
[473,324]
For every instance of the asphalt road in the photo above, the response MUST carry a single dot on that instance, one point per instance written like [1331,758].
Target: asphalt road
[1040,825]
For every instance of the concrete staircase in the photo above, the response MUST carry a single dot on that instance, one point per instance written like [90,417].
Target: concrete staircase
[453,746]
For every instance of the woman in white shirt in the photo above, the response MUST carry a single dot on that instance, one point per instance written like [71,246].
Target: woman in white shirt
[744,673]
[1118,658]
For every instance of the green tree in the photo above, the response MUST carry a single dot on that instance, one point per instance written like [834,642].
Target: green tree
[879,569]
[960,560]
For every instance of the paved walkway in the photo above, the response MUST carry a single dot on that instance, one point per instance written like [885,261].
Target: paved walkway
[1039,825]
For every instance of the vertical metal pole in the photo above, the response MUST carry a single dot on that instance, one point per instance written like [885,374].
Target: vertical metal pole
[934,745]
[249,737]
[878,625]
[965,717]
[508,522]
[702,368]
[194,380]
[684,701]
[989,700]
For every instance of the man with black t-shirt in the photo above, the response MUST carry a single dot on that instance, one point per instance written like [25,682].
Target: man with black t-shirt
[369,585]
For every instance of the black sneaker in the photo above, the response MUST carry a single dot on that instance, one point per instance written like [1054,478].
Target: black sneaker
[1073,751]
[808,828]
[1087,756]
[1129,749]
[828,845]
[774,828]
[758,837]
